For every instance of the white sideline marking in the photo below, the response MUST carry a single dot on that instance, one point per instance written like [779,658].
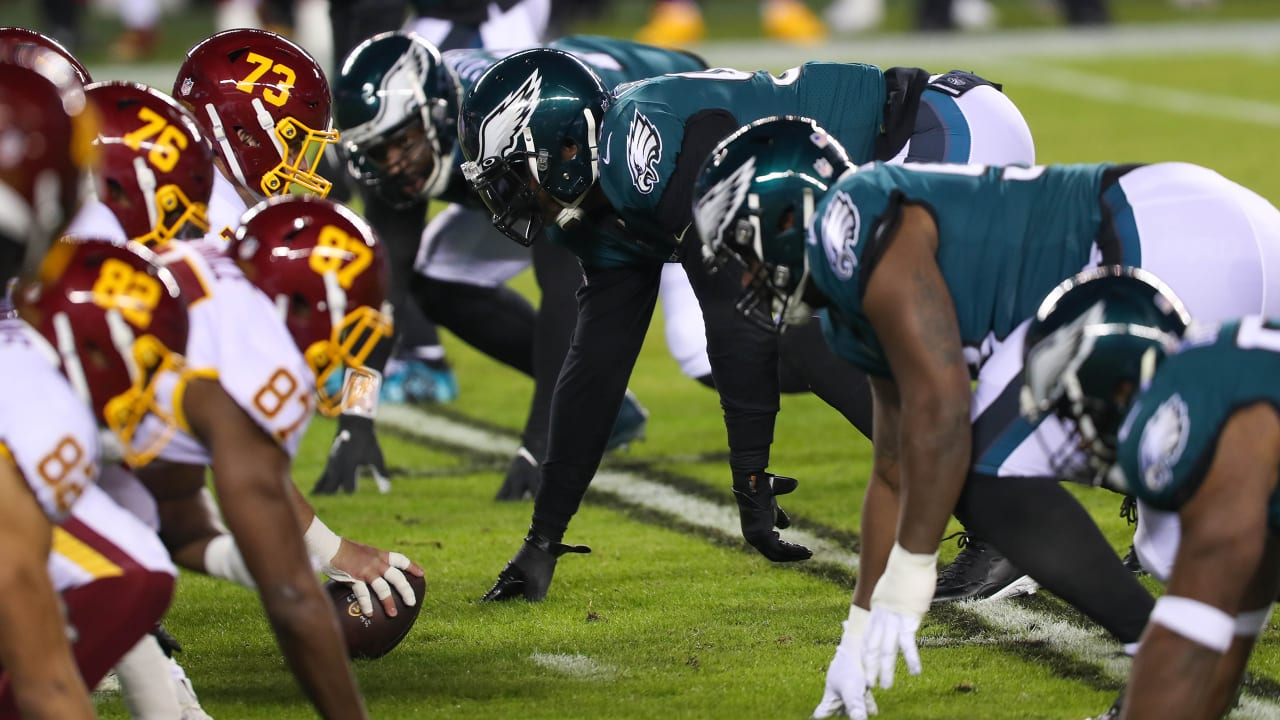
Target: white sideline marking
[1089,644]
[578,666]
[1101,88]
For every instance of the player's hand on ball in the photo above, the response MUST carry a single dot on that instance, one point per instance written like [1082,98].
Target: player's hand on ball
[373,573]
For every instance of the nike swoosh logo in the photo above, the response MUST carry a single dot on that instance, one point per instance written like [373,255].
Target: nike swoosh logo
[608,149]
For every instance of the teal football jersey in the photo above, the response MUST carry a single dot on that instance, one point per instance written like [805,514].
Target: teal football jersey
[1006,237]
[644,132]
[1169,437]
[615,61]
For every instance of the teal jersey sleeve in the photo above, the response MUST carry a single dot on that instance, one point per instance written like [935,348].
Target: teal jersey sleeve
[1168,440]
[1006,237]
[650,151]
[600,242]
[619,61]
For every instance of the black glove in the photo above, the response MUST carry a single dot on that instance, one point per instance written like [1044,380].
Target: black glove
[528,575]
[354,447]
[524,475]
[759,512]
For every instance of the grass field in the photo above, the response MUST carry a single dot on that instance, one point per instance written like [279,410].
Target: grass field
[672,615]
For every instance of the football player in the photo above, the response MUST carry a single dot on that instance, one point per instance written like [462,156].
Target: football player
[1110,351]
[401,146]
[551,152]
[929,275]
[44,465]
[265,105]
[260,389]
[115,323]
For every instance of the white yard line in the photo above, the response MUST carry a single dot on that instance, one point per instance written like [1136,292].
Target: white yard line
[1010,620]
[581,667]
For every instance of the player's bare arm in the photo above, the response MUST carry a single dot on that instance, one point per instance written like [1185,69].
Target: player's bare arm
[1221,556]
[909,306]
[33,647]
[880,506]
[188,518]
[251,472]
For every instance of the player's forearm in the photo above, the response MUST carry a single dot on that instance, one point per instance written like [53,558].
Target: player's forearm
[1169,678]
[310,640]
[35,653]
[879,527]
[1227,674]
[936,440]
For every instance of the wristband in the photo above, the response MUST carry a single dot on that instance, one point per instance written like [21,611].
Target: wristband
[322,542]
[1252,622]
[1198,622]
[855,627]
[907,584]
[222,559]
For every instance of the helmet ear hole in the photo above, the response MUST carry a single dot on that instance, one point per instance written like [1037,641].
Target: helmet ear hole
[568,149]
[786,219]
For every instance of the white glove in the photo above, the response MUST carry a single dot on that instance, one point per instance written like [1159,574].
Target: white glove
[847,692]
[900,600]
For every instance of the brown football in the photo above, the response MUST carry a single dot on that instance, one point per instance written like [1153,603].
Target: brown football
[375,636]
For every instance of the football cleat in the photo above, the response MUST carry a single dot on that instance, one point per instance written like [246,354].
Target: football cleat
[528,575]
[1132,563]
[673,24]
[792,21]
[524,475]
[981,572]
[630,423]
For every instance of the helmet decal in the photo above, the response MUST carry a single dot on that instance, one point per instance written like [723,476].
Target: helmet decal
[840,226]
[1163,440]
[644,150]
[501,129]
[719,206]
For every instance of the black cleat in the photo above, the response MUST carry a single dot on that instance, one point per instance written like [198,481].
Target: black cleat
[981,572]
[1132,563]
[524,475]
[528,575]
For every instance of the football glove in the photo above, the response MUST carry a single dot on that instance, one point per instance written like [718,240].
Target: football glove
[524,474]
[898,603]
[354,447]
[759,513]
[847,692]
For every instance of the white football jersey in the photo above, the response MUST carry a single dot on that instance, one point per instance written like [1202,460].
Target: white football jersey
[45,427]
[224,212]
[237,337]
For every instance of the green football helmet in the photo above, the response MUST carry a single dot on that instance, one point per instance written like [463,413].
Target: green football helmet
[752,203]
[396,103]
[532,123]
[1094,343]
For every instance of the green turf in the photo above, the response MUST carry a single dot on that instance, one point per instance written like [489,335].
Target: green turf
[673,625]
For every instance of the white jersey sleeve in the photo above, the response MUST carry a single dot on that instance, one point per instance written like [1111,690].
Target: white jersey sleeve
[224,212]
[237,336]
[45,427]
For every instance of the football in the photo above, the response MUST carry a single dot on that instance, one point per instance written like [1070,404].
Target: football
[375,636]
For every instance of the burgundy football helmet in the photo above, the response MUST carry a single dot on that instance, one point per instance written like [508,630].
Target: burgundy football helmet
[156,165]
[265,104]
[327,272]
[19,43]
[45,148]
[117,322]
